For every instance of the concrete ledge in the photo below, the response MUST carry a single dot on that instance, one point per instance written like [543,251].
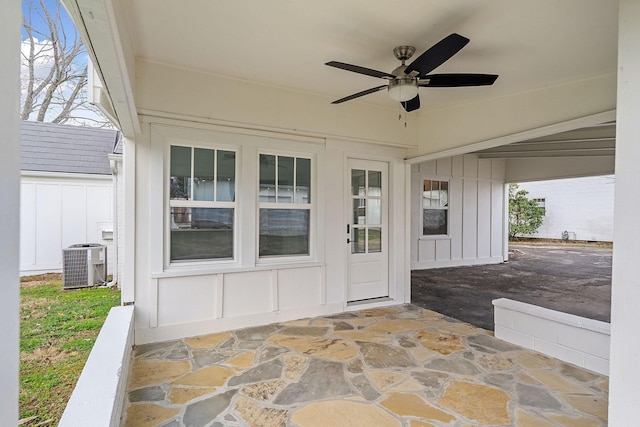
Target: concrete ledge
[574,339]
[98,397]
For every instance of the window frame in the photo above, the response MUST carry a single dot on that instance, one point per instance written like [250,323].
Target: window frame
[445,208]
[542,204]
[310,206]
[191,203]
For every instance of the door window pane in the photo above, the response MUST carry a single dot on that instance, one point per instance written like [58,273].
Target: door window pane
[375,183]
[303,180]
[358,182]
[201,233]
[374,211]
[203,174]
[180,173]
[226,176]
[375,240]
[358,241]
[284,232]
[359,211]
[267,178]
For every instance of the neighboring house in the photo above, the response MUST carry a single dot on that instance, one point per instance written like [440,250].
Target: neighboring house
[67,194]
[575,208]
[230,134]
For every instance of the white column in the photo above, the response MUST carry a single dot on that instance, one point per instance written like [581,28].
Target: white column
[128,237]
[624,395]
[10,211]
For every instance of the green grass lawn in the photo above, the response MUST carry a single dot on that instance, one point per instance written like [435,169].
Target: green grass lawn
[57,331]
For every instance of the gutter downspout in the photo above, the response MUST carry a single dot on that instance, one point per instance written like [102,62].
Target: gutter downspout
[114,159]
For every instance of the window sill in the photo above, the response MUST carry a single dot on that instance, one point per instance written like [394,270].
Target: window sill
[436,237]
[193,270]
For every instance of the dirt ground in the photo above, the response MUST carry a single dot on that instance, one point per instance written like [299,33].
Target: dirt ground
[572,279]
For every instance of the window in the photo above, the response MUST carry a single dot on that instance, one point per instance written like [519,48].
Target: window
[285,205]
[202,203]
[541,202]
[435,208]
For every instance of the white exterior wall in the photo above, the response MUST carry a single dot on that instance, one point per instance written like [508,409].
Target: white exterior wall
[192,299]
[476,207]
[58,210]
[583,206]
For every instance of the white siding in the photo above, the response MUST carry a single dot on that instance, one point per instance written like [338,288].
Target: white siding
[583,206]
[58,211]
[188,299]
[476,206]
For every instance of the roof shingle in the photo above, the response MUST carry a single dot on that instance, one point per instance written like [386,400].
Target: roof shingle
[49,147]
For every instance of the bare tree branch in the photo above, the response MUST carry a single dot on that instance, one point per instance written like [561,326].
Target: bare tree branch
[54,69]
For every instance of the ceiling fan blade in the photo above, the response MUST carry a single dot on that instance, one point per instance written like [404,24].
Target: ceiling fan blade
[359,94]
[360,70]
[412,104]
[437,54]
[457,80]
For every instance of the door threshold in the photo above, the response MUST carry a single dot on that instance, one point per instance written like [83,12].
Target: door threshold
[369,301]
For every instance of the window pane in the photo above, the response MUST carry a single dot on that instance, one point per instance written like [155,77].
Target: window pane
[303,180]
[358,241]
[375,183]
[285,179]
[226,176]
[375,240]
[202,174]
[374,211]
[434,221]
[444,193]
[201,233]
[180,171]
[284,232]
[357,182]
[267,178]
[359,211]
[427,194]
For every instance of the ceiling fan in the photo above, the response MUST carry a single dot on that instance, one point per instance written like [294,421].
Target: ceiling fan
[404,81]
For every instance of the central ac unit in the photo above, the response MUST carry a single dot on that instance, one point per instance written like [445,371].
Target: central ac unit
[84,265]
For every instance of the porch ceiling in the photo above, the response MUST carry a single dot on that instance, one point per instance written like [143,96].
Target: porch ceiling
[597,141]
[285,43]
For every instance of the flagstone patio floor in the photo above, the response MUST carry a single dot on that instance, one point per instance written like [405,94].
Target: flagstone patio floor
[396,366]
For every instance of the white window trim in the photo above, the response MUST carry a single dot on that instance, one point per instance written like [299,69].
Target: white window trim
[311,207]
[447,208]
[168,204]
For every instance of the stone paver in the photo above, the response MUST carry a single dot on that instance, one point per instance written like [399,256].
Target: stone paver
[393,366]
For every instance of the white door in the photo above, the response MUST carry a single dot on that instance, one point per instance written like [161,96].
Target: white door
[367,230]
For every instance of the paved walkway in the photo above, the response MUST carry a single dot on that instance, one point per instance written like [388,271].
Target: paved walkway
[572,279]
[397,366]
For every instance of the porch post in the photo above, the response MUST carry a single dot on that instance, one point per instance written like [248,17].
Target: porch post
[10,211]
[624,392]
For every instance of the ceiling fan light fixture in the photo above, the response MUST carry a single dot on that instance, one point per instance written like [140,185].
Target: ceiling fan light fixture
[403,89]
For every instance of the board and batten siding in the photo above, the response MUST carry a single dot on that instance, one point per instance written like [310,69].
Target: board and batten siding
[476,213]
[58,211]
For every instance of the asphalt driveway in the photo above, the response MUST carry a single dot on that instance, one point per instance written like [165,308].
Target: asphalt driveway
[571,279]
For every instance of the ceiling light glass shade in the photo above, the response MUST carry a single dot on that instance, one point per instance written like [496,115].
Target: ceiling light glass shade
[403,89]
